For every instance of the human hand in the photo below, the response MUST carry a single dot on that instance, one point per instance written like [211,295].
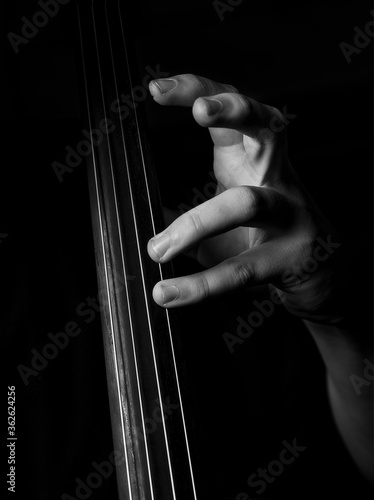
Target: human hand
[262,226]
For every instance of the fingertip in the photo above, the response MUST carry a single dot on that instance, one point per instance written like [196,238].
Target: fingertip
[165,295]
[153,88]
[157,294]
[153,255]
[214,106]
[161,87]
[206,110]
[155,92]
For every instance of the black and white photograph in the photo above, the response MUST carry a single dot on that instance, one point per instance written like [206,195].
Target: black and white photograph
[186,249]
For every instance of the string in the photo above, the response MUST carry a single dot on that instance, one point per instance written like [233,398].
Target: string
[120,236]
[124,265]
[159,266]
[105,264]
[141,267]
[140,259]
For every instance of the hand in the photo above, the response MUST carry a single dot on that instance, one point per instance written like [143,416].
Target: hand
[261,227]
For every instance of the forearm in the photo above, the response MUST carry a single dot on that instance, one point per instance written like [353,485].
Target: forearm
[350,389]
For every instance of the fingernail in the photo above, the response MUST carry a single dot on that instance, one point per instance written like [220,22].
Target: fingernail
[166,85]
[160,244]
[214,106]
[169,294]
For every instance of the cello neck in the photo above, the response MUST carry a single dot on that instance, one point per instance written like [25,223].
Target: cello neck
[149,425]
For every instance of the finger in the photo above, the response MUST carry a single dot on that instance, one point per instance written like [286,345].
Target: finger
[170,216]
[239,206]
[183,90]
[260,265]
[240,113]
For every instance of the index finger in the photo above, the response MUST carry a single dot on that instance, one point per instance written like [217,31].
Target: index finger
[183,90]
[249,206]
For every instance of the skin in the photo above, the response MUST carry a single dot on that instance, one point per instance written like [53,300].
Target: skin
[262,227]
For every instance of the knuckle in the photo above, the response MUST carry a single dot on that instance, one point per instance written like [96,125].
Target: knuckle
[197,82]
[250,198]
[202,286]
[276,112]
[230,88]
[241,109]
[242,274]
[193,222]
[277,119]
[187,228]
[307,240]
[205,86]
[245,103]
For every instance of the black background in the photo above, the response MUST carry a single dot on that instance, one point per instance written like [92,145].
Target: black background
[272,388]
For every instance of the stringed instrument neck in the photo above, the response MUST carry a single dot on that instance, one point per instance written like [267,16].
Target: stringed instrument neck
[145,389]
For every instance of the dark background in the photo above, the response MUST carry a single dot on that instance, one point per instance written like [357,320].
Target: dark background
[272,388]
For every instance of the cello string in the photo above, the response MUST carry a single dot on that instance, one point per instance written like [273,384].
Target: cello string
[142,272]
[122,254]
[146,303]
[124,266]
[103,250]
[160,268]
